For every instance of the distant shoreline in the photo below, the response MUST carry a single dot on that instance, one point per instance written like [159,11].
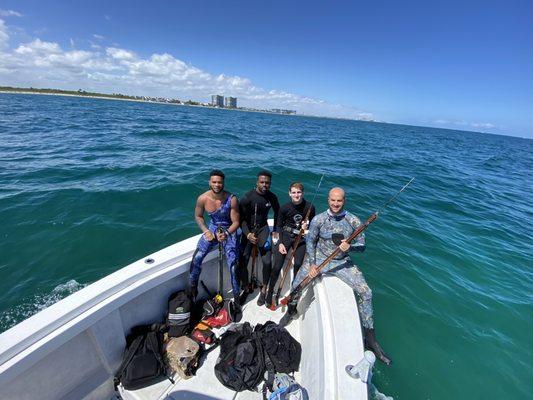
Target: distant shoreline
[57,92]
[102,96]
[110,97]
[150,102]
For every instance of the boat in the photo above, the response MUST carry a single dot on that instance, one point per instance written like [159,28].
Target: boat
[72,349]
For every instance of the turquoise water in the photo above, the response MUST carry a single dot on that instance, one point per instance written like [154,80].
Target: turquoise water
[88,186]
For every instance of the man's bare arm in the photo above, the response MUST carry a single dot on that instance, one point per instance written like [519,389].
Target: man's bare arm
[199,213]
[234,215]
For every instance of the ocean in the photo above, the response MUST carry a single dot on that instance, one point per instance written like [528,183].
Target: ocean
[88,186]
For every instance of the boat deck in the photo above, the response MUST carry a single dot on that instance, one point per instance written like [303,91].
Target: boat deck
[73,349]
[205,385]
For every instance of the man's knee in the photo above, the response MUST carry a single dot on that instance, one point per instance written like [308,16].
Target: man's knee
[365,293]
[198,258]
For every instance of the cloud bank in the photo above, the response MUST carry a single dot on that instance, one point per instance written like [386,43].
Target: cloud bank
[39,63]
[466,124]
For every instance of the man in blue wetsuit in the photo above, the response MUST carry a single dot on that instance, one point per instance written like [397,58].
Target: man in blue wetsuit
[223,208]
[328,231]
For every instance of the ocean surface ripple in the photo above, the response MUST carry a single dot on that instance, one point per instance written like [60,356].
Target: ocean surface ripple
[88,186]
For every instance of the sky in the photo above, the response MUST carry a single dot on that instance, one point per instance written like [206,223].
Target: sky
[465,65]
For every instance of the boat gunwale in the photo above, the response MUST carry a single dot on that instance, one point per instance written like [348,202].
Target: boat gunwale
[29,332]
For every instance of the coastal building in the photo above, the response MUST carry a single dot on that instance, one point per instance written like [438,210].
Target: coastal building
[282,111]
[230,102]
[217,100]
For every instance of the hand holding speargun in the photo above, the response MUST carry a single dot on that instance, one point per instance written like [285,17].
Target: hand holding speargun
[287,268]
[252,285]
[298,289]
[218,297]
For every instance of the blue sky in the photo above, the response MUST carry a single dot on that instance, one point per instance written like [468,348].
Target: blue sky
[460,65]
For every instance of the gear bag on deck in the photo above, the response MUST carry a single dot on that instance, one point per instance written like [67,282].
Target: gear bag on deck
[283,351]
[181,355]
[142,363]
[245,355]
[225,315]
[179,314]
[240,365]
[203,334]
[292,392]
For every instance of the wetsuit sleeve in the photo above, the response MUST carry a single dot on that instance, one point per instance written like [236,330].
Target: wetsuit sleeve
[244,209]
[311,240]
[275,207]
[359,244]
[281,219]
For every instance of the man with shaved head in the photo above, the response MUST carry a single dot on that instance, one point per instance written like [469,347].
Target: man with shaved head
[328,231]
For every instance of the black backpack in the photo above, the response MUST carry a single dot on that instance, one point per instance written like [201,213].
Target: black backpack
[240,365]
[142,363]
[281,349]
[179,314]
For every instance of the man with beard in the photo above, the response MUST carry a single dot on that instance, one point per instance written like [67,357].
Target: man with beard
[254,207]
[291,219]
[223,208]
[328,231]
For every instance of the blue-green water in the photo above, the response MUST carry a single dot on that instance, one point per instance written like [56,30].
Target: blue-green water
[88,186]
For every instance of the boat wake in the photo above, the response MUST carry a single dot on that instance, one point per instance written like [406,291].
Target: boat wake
[32,305]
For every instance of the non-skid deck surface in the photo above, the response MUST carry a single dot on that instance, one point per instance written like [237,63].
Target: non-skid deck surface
[205,385]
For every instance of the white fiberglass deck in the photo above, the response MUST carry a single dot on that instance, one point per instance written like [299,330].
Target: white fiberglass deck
[205,385]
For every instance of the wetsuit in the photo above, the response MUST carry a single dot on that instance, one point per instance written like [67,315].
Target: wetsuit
[324,229]
[219,218]
[289,223]
[257,222]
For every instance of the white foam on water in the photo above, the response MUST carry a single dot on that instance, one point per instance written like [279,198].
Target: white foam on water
[36,303]
[375,394]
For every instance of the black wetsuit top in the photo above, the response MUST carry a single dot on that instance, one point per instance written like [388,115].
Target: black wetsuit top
[291,216]
[264,203]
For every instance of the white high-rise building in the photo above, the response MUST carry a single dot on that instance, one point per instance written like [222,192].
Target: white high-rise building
[217,100]
[230,102]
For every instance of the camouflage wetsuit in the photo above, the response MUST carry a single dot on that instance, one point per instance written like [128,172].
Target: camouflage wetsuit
[219,218]
[320,245]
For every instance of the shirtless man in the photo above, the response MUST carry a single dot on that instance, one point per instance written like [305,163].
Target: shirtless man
[223,208]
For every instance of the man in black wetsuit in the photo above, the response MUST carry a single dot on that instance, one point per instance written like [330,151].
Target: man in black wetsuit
[254,207]
[292,218]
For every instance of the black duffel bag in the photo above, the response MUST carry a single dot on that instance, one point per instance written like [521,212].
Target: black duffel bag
[240,365]
[281,349]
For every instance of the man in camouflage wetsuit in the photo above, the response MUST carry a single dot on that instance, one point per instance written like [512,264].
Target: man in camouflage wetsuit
[328,231]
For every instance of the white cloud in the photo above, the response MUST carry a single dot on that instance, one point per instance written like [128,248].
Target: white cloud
[4,36]
[482,125]
[9,13]
[40,63]
[99,37]
[120,54]
[467,124]
[38,48]
[107,17]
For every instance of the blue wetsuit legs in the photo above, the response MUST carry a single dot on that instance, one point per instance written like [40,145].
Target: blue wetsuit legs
[203,248]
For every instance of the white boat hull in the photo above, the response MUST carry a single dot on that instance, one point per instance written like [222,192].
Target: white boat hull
[72,349]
